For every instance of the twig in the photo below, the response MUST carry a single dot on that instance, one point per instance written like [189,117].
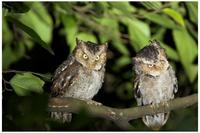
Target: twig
[5,86]
[115,114]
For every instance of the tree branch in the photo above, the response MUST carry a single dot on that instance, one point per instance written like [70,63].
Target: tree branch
[115,114]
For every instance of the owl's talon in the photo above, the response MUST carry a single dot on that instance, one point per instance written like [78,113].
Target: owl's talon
[94,103]
[153,106]
[165,105]
[157,105]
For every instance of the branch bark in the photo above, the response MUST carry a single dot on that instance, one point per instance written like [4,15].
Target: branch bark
[116,114]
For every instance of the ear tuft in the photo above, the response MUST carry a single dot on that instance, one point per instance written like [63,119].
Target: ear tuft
[78,41]
[104,46]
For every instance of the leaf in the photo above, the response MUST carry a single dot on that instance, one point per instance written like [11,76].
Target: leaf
[161,20]
[187,50]
[12,54]
[86,37]
[24,83]
[122,61]
[103,5]
[175,15]
[7,57]
[123,7]
[139,33]
[30,32]
[17,7]
[152,5]
[6,33]
[46,77]
[71,30]
[159,33]
[171,53]
[112,32]
[39,19]
[193,11]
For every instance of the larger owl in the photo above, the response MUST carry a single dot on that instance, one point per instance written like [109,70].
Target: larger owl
[155,81]
[80,76]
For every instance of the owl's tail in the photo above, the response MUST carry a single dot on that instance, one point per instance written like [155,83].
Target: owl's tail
[156,121]
[62,116]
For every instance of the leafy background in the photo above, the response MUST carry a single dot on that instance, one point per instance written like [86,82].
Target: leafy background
[38,36]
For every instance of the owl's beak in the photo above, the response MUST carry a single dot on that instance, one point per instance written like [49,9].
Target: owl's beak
[98,67]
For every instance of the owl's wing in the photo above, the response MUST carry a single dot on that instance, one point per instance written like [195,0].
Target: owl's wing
[63,66]
[137,92]
[174,79]
[64,77]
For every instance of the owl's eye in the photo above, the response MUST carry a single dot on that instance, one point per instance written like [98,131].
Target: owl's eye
[150,65]
[85,56]
[97,57]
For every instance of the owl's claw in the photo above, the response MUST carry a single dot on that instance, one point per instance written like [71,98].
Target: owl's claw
[94,103]
[165,105]
[154,106]
[89,101]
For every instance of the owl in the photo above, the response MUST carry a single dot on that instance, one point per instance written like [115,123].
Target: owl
[80,76]
[155,82]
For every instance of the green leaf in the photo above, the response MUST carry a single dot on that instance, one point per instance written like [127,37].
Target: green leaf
[12,54]
[30,32]
[71,30]
[7,57]
[103,5]
[46,77]
[24,83]
[117,43]
[175,15]
[159,33]
[139,33]
[86,37]
[171,53]
[152,5]
[112,33]
[7,33]
[193,11]
[17,7]
[123,7]
[39,19]
[187,50]
[161,20]
[122,61]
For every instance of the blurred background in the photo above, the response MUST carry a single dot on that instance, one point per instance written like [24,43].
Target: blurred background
[39,36]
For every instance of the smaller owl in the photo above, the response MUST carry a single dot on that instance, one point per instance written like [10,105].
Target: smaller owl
[155,81]
[81,75]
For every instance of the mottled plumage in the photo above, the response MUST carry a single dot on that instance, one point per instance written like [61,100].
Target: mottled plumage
[155,81]
[81,75]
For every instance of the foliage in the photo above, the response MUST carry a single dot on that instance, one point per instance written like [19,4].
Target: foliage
[23,83]
[38,36]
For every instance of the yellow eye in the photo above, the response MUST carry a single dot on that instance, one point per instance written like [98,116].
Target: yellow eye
[97,57]
[85,56]
[150,65]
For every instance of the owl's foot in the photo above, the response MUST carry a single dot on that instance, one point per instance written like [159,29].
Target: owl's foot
[165,105]
[89,101]
[94,103]
[154,106]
